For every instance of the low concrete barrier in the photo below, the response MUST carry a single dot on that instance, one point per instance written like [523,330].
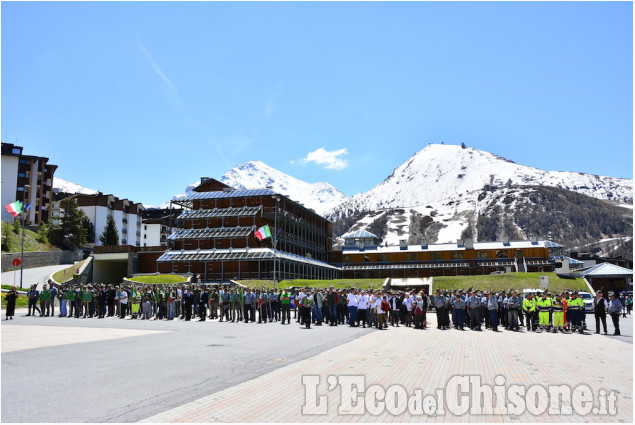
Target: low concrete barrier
[41,258]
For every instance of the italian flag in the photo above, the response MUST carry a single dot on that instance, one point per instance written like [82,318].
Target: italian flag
[16,208]
[263,232]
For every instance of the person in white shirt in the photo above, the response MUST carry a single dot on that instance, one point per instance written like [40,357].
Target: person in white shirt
[362,306]
[372,315]
[352,308]
[407,301]
[123,299]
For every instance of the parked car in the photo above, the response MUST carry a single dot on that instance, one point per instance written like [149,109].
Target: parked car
[588,301]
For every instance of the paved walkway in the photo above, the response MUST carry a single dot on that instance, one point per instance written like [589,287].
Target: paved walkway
[427,360]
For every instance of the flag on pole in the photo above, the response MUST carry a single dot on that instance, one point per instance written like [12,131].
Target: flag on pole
[14,208]
[28,206]
[263,232]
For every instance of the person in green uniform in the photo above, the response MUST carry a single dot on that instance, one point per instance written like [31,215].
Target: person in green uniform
[285,306]
[45,301]
[87,298]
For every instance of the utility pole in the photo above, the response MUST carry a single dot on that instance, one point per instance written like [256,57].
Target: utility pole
[22,255]
[274,239]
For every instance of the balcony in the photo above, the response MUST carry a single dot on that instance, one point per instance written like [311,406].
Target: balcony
[124,220]
[138,233]
[124,241]
[124,231]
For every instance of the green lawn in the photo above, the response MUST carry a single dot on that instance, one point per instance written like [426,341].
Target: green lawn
[488,282]
[17,285]
[506,281]
[22,301]
[337,283]
[63,275]
[160,278]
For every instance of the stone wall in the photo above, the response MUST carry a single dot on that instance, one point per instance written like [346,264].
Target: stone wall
[41,258]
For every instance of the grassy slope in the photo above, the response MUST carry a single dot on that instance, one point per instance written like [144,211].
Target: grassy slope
[487,282]
[337,283]
[506,281]
[30,243]
[63,275]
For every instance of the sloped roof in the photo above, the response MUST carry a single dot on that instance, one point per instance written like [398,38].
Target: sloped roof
[606,269]
[360,234]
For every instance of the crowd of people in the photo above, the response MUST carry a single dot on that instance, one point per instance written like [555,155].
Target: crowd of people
[459,309]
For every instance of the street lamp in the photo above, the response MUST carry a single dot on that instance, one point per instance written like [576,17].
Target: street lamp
[22,255]
[274,240]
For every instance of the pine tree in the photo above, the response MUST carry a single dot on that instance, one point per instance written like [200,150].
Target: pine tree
[90,230]
[17,226]
[110,235]
[70,233]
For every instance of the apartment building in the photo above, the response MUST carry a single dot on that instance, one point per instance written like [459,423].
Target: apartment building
[28,179]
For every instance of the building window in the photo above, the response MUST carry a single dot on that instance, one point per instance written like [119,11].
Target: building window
[20,189]
[457,255]
[21,175]
[16,151]
[501,253]
[482,254]
[412,256]
[435,256]
[347,259]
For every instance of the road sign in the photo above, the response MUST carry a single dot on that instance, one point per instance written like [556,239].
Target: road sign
[16,262]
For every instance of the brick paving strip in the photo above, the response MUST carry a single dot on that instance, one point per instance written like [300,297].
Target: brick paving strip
[427,360]
[22,337]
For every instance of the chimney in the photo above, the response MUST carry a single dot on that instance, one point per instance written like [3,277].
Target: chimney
[506,240]
[424,244]
[469,243]
[403,244]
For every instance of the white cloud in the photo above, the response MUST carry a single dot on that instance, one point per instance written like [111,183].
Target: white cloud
[330,160]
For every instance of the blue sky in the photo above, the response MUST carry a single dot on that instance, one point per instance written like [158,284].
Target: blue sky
[142,99]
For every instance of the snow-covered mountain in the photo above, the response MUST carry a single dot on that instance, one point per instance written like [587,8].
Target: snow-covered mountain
[441,172]
[446,192]
[66,186]
[320,196]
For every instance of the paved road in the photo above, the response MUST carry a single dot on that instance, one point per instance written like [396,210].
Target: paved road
[31,276]
[113,370]
[126,379]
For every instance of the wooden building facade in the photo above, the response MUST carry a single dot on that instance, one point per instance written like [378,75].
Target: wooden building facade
[215,237]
